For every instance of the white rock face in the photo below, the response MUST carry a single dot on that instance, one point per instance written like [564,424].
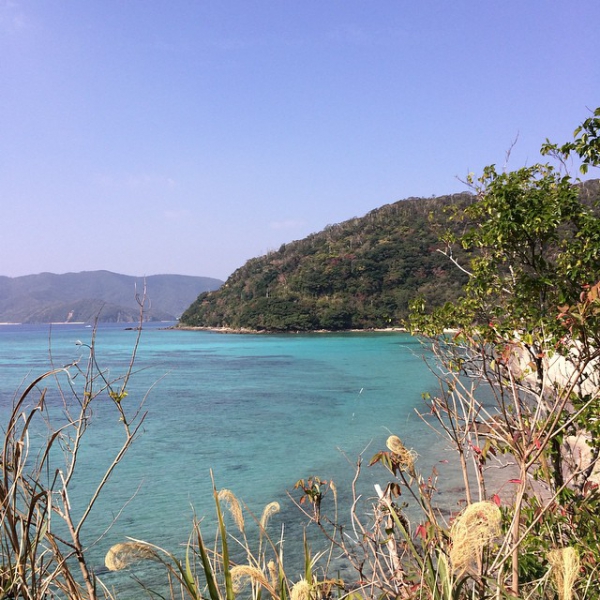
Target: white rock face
[580,457]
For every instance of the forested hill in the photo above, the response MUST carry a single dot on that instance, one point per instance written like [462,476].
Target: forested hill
[358,274]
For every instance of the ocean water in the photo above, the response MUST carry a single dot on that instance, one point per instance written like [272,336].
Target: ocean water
[260,411]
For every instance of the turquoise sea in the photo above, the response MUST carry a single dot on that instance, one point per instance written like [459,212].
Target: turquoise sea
[261,411]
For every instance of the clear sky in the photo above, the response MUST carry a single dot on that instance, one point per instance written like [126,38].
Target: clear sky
[187,136]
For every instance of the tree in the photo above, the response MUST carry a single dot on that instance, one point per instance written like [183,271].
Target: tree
[527,327]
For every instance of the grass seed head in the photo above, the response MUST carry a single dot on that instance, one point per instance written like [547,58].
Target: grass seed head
[302,590]
[472,530]
[565,569]
[242,574]
[122,555]
[273,574]
[270,509]
[234,507]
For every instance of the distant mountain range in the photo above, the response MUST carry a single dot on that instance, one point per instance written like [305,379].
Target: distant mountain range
[85,296]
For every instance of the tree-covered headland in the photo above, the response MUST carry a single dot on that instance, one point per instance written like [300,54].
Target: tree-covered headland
[358,274]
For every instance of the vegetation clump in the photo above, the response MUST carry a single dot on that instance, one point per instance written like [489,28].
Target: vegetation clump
[519,376]
[521,372]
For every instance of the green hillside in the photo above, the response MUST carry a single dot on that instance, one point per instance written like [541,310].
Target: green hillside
[358,274]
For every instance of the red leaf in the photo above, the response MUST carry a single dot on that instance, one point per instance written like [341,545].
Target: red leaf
[421,531]
[496,499]
[514,481]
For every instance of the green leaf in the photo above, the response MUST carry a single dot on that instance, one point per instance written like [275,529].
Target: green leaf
[213,589]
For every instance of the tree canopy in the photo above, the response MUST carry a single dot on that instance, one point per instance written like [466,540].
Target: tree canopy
[527,326]
[358,274]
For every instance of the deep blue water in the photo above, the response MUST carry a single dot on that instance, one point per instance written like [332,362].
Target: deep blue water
[261,411]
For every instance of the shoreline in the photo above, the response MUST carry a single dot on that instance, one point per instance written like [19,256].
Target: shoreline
[244,331]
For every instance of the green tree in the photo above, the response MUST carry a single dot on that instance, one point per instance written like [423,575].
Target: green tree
[527,325]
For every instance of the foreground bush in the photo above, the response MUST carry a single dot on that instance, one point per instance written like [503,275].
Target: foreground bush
[42,552]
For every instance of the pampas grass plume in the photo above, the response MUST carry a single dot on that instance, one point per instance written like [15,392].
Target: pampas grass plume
[241,574]
[472,530]
[301,590]
[234,506]
[565,569]
[270,509]
[122,555]
[273,574]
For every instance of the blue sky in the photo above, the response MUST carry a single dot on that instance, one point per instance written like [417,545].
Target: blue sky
[150,136]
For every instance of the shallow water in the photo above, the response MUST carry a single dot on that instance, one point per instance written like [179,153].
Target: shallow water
[261,411]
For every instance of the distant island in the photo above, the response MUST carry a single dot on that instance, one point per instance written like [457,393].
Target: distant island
[359,274]
[103,295]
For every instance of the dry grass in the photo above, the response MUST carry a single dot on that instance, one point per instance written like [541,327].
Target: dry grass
[234,507]
[472,531]
[120,556]
[565,570]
